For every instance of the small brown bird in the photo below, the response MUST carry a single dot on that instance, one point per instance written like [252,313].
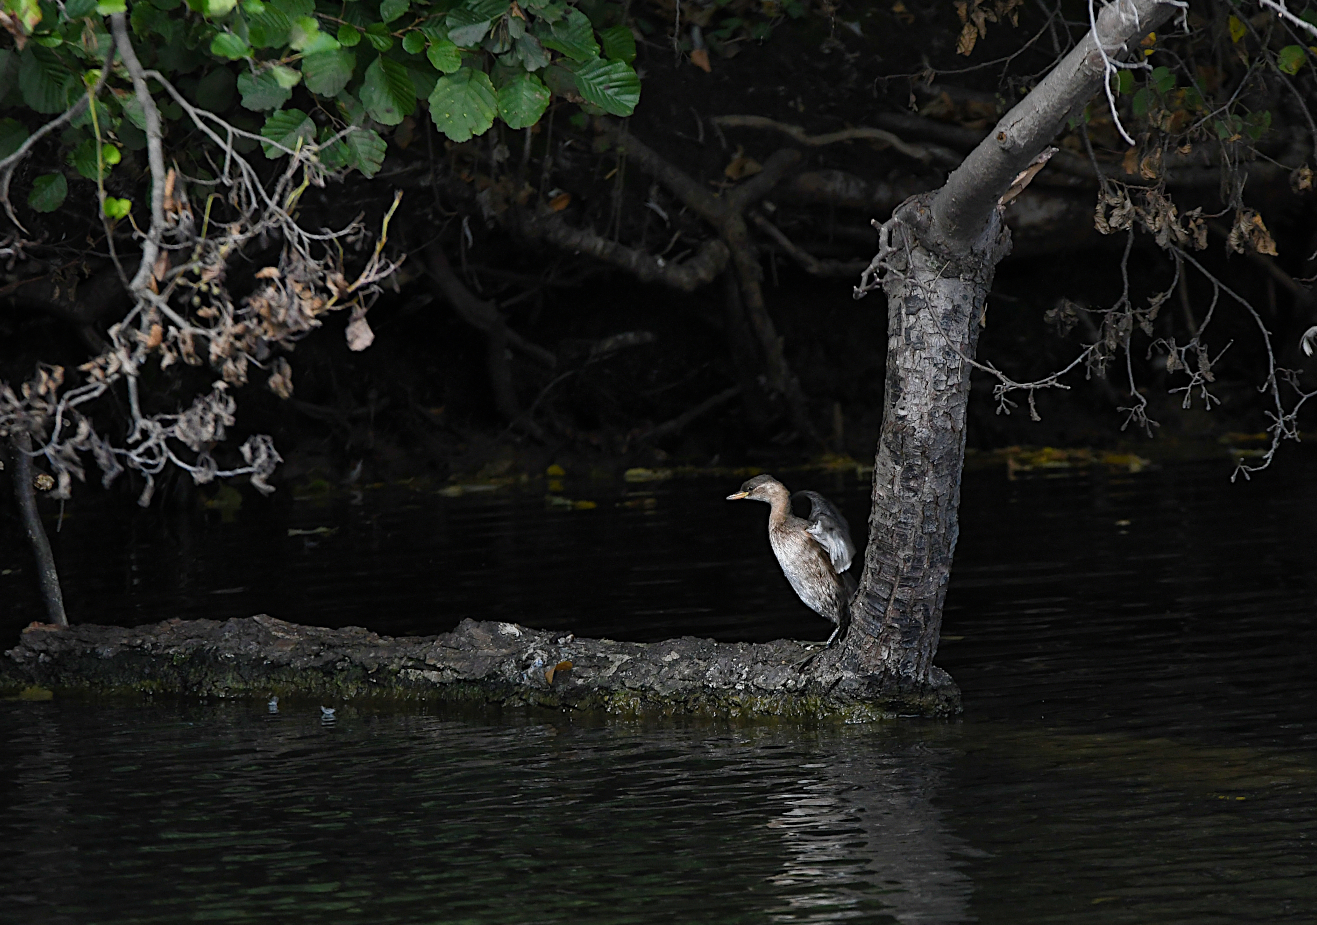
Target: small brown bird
[814,552]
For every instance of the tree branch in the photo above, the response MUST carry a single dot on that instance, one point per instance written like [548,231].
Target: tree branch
[921,153]
[828,268]
[962,207]
[154,151]
[481,315]
[687,276]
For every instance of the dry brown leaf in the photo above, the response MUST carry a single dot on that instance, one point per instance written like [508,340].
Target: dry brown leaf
[155,336]
[1250,230]
[161,266]
[700,58]
[1130,164]
[1301,180]
[170,179]
[1150,167]
[268,273]
[1021,181]
[968,36]
[741,167]
[560,202]
[900,12]
[359,334]
[281,379]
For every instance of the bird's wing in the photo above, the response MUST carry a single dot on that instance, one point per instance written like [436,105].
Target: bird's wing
[829,529]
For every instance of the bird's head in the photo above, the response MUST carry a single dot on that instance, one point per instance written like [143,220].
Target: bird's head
[760,488]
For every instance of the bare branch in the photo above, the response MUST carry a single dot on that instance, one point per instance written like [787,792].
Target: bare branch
[921,153]
[961,208]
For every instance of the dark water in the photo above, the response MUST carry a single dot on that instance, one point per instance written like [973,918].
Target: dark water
[1137,655]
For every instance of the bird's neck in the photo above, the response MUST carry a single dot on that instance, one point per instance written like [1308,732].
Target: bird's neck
[779,510]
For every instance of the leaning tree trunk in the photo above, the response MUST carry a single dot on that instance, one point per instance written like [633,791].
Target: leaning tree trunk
[938,255]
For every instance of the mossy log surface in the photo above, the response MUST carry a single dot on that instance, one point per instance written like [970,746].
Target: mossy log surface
[478,662]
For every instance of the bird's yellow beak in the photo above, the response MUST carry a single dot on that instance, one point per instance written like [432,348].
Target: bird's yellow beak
[738,496]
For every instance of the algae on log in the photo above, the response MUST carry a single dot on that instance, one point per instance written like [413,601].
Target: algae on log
[479,662]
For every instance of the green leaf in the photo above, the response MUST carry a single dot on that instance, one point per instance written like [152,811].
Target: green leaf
[83,158]
[117,208]
[392,9]
[286,127]
[48,192]
[522,101]
[423,80]
[262,91]
[445,57]
[228,45]
[573,36]
[611,85]
[548,10]
[466,28]
[1163,79]
[294,8]
[146,19]
[413,42]
[305,36]
[363,149]
[84,120]
[1124,81]
[110,7]
[216,9]
[1237,29]
[1140,106]
[44,80]
[12,135]
[463,104]
[76,9]
[269,29]
[378,35]
[348,36]
[1291,58]
[489,9]
[329,72]
[530,53]
[132,108]
[619,43]
[388,93]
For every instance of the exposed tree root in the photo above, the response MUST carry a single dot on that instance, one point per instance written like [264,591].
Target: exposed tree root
[485,317]
[479,662]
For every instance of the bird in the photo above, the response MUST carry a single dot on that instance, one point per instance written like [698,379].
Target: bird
[814,551]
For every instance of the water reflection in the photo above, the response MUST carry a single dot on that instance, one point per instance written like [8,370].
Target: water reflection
[1135,652]
[863,829]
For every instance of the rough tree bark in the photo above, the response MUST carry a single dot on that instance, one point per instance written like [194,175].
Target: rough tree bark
[22,475]
[937,259]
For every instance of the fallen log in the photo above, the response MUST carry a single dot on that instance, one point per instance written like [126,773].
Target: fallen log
[479,662]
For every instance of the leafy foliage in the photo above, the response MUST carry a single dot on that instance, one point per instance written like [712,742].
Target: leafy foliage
[310,69]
